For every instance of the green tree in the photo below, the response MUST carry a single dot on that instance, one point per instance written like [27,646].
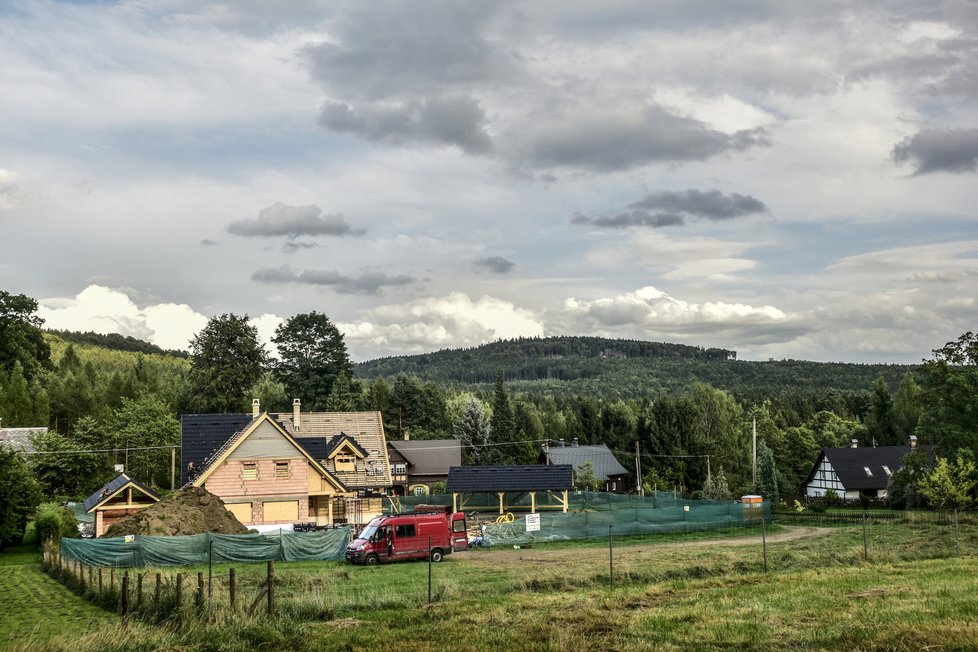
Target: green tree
[16,402]
[715,487]
[19,496]
[950,381]
[63,472]
[903,488]
[908,405]
[312,355]
[52,522]
[472,430]
[951,484]
[227,359]
[345,395]
[584,478]
[270,393]
[767,474]
[879,421]
[145,422]
[501,424]
[21,339]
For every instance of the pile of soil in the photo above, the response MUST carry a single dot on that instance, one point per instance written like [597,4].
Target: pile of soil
[192,510]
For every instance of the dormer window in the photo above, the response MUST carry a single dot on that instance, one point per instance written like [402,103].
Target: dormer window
[887,470]
[345,463]
[868,472]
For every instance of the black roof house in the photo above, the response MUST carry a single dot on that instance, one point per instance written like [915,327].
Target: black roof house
[865,469]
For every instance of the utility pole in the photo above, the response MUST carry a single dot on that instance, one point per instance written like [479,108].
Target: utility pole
[708,474]
[638,469]
[754,453]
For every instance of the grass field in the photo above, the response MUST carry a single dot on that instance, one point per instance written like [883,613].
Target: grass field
[34,607]
[669,594]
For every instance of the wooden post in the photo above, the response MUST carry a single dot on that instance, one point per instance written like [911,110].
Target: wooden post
[124,598]
[173,468]
[112,579]
[865,539]
[179,588]
[91,576]
[271,587]
[611,559]
[200,588]
[100,580]
[210,569]
[232,586]
[159,586]
[763,538]
[429,571]
[957,536]
[139,590]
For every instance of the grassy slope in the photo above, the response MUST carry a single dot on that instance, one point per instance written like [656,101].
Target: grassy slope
[33,607]
[669,595]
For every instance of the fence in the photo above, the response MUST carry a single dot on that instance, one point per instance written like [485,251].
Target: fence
[137,550]
[577,500]
[615,556]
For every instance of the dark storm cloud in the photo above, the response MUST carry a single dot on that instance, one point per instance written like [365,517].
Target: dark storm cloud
[366,283]
[939,150]
[496,264]
[609,143]
[407,49]
[673,208]
[458,121]
[293,246]
[292,222]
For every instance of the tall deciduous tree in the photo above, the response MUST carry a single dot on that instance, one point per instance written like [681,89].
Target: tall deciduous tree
[312,355]
[19,496]
[227,358]
[950,380]
[20,335]
[950,485]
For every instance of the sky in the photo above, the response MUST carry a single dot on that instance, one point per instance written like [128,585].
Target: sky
[784,179]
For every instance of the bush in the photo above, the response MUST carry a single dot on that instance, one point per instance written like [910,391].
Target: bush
[831,498]
[54,522]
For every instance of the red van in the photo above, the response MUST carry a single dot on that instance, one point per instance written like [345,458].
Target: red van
[393,538]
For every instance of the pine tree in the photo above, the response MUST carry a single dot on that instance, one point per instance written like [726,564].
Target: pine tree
[472,430]
[767,474]
[501,424]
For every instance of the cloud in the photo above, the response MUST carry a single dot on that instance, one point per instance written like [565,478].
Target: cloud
[437,322]
[675,207]
[610,141]
[297,245]
[458,121]
[293,222]
[104,310]
[207,242]
[9,188]
[939,150]
[650,313]
[496,264]
[366,283]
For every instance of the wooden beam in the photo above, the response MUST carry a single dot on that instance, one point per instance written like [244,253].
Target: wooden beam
[533,502]
[454,502]
[501,494]
[565,501]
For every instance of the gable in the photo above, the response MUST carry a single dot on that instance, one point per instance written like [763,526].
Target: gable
[601,458]
[115,487]
[266,442]
[343,445]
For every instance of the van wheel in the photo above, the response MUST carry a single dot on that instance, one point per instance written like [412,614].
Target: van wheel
[436,555]
[372,560]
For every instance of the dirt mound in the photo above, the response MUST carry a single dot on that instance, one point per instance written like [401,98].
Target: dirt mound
[192,510]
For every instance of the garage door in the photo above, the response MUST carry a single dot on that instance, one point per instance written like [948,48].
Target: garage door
[280,510]
[241,511]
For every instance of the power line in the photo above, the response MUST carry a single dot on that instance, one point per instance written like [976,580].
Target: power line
[101,450]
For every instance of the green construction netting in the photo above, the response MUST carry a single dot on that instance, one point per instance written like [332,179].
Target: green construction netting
[191,550]
[520,501]
[692,516]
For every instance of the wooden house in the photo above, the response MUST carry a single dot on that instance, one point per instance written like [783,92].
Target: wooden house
[117,499]
[417,465]
[607,469]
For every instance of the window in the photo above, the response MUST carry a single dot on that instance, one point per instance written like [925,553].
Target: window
[249,470]
[404,530]
[399,469]
[868,472]
[887,470]
[282,470]
[458,526]
[345,463]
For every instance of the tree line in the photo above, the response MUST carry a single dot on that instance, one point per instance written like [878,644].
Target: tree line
[689,434]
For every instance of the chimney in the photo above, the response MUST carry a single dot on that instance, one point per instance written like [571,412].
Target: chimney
[407,436]
[575,444]
[296,414]
[560,443]
[255,408]
[853,443]
[913,441]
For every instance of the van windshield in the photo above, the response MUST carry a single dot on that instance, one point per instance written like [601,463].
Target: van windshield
[368,532]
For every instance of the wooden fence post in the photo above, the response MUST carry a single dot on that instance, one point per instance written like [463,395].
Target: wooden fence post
[112,579]
[271,587]
[124,598]
[232,586]
[100,580]
[139,590]
[159,584]
[179,588]
[199,597]
[91,577]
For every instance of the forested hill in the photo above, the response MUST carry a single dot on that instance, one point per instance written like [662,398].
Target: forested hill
[115,342]
[625,368]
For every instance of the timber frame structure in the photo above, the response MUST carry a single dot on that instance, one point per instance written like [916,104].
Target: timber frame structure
[509,484]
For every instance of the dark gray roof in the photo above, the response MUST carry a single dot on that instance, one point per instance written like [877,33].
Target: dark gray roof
[429,456]
[113,486]
[203,434]
[850,465]
[19,439]
[534,477]
[604,462]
